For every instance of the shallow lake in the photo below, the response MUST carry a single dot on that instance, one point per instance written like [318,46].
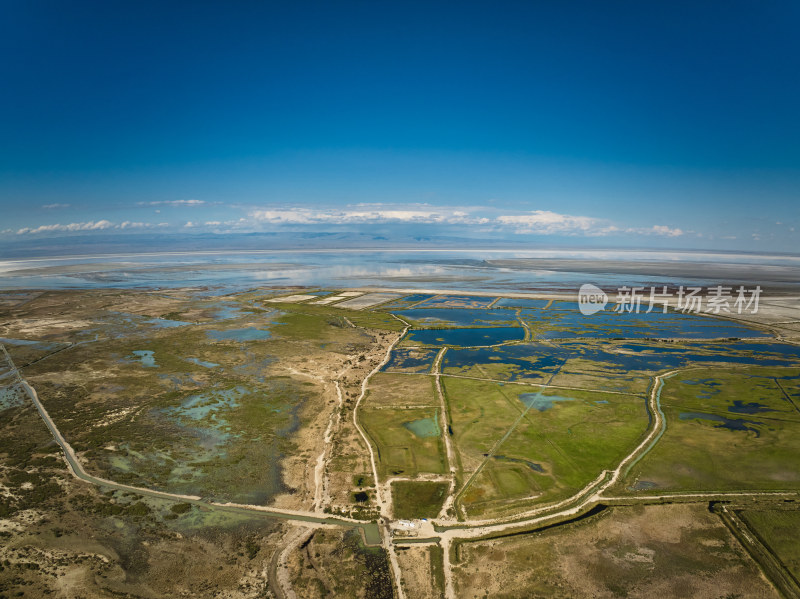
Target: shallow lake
[44,346]
[605,324]
[541,402]
[466,337]
[752,407]
[146,358]
[523,358]
[458,316]
[537,358]
[416,360]
[424,427]
[733,424]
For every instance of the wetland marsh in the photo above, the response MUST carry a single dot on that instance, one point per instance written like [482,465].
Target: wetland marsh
[472,409]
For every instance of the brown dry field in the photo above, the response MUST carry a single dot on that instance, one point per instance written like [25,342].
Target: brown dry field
[419,578]
[668,551]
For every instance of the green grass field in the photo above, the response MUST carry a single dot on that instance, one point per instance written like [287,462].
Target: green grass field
[480,413]
[304,316]
[400,450]
[564,441]
[418,499]
[697,452]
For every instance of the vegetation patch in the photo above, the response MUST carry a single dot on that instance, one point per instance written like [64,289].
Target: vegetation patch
[400,451]
[697,452]
[778,530]
[418,499]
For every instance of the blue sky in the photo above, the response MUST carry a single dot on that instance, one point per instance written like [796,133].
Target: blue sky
[620,123]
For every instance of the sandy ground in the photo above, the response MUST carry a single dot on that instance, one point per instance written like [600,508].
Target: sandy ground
[418,577]
[656,551]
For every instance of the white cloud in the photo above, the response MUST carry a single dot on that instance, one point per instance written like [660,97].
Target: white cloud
[477,218]
[664,230]
[307,216]
[547,223]
[55,206]
[659,230]
[174,203]
[100,225]
[131,225]
[87,226]
[537,222]
[283,216]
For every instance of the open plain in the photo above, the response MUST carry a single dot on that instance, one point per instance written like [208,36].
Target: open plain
[312,442]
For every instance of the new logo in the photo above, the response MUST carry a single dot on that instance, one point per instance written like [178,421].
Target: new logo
[591,299]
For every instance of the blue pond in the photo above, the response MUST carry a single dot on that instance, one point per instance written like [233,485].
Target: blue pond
[424,427]
[733,424]
[410,359]
[227,312]
[654,358]
[467,337]
[607,324]
[146,358]
[38,345]
[752,407]
[458,316]
[523,358]
[541,402]
[540,358]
